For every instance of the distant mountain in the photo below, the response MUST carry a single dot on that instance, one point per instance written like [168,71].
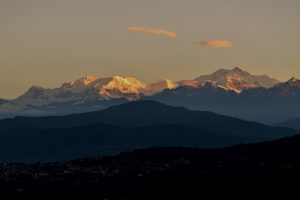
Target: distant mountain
[85,89]
[235,79]
[93,88]
[281,93]
[130,126]
[288,89]
[294,123]
[83,95]
[267,105]
[13,108]
[149,113]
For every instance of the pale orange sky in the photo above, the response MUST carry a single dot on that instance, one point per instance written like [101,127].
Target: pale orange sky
[46,43]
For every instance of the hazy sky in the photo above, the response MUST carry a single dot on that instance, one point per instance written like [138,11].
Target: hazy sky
[47,42]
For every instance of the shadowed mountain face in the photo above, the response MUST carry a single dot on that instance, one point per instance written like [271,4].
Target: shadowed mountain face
[2,101]
[257,171]
[129,126]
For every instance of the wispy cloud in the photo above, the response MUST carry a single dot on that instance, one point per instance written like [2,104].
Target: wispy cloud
[153,31]
[217,43]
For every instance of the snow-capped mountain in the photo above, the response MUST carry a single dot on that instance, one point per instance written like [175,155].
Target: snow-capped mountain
[235,79]
[85,94]
[92,88]
[232,92]
[118,87]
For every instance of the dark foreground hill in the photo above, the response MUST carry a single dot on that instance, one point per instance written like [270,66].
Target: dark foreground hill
[259,171]
[33,145]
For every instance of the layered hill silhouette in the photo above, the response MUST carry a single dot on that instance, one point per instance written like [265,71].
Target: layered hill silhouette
[128,126]
[151,113]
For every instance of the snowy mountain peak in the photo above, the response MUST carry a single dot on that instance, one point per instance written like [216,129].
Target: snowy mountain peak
[293,80]
[235,79]
[88,79]
[80,83]
[170,84]
[221,73]
[118,87]
[134,82]
[91,88]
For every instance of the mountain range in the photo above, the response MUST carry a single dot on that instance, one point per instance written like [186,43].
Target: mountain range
[235,79]
[82,95]
[92,88]
[267,105]
[234,92]
[124,127]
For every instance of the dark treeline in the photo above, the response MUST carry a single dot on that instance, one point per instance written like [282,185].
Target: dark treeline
[268,170]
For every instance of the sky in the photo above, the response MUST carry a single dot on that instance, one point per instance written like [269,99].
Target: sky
[48,42]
